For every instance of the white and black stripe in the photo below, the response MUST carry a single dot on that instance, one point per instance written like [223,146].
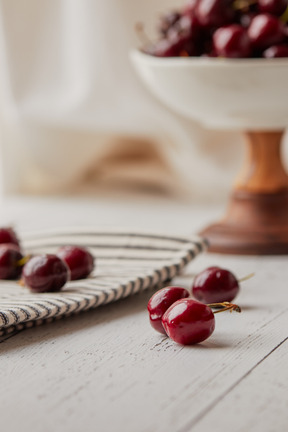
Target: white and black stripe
[126,263]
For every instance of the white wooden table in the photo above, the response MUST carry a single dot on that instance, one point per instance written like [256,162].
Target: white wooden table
[107,370]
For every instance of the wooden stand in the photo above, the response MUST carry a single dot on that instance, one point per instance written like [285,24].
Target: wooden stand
[257,218]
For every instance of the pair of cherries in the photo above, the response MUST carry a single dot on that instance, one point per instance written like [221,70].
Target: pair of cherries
[49,273]
[45,272]
[188,321]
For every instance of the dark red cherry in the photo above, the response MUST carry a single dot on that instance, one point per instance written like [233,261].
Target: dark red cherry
[10,261]
[232,41]
[273,7]
[167,21]
[276,51]
[79,260]
[45,273]
[215,13]
[187,28]
[266,30]
[181,39]
[160,302]
[163,48]
[8,235]
[215,285]
[188,322]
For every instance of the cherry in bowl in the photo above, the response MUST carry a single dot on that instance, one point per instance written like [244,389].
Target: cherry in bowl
[266,30]
[232,41]
[273,7]
[214,13]
[276,51]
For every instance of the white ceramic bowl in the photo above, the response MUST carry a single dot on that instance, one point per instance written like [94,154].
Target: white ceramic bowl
[220,93]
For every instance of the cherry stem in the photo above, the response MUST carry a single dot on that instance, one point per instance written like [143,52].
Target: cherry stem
[224,306]
[284,17]
[244,4]
[23,261]
[249,276]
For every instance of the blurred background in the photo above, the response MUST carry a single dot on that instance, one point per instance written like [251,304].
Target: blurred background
[76,120]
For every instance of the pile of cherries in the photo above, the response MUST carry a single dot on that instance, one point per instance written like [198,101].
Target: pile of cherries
[224,28]
[45,272]
[187,321]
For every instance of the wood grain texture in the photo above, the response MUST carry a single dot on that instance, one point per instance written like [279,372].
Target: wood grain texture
[260,397]
[107,370]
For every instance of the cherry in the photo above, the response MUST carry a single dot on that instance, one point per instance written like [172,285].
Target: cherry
[276,51]
[45,273]
[215,284]
[182,38]
[160,302]
[215,13]
[232,41]
[185,34]
[167,21]
[266,30]
[188,321]
[273,7]
[10,261]
[163,48]
[79,260]
[8,235]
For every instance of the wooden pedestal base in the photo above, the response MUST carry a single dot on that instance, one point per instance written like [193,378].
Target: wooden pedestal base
[257,216]
[255,224]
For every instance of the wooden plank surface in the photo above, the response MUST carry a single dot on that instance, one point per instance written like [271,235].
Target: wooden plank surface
[107,370]
[259,400]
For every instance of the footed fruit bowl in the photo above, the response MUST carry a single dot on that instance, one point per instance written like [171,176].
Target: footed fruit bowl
[241,94]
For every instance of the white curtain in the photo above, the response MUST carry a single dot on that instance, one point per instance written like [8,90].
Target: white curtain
[75,117]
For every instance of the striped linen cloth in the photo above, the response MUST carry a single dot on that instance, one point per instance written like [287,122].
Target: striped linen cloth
[126,263]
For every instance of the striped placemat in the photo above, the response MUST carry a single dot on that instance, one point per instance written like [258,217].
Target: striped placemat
[126,263]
